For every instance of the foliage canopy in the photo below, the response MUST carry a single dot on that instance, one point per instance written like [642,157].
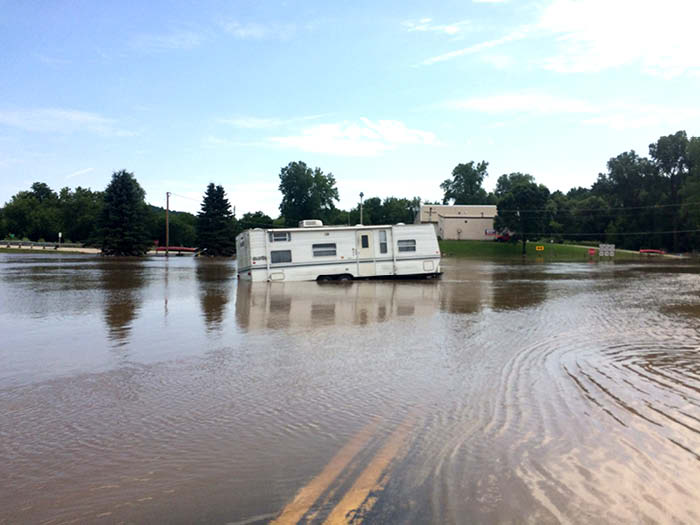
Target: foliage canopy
[306,193]
[216,233]
[465,186]
[124,217]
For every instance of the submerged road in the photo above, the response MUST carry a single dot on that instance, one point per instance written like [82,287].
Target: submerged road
[165,391]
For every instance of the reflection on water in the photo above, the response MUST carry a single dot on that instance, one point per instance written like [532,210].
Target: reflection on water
[122,283]
[215,282]
[504,392]
[311,305]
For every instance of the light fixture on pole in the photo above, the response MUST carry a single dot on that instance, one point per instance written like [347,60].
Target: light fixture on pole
[361,195]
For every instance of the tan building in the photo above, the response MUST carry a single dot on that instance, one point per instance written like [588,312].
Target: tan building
[460,222]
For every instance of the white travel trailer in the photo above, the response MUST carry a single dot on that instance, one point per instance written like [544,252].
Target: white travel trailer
[314,252]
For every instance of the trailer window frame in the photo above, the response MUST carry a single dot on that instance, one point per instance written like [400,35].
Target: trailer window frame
[406,245]
[383,244]
[280,256]
[280,236]
[326,249]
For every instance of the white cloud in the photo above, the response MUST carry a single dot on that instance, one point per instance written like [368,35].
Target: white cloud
[250,122]
[476,48]
[625,116]
[617,115]
[213,141]
[257,31]
[171,41]
[586,36]
[498,61]
[364,139]
[79,172]
[61,121]
[523,103]
[426,24]
[254,196]
[594,35]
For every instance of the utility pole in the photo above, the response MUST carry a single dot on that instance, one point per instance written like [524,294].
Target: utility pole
[167,222]
[361,195]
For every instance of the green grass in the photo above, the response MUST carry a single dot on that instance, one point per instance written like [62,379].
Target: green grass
[507,250]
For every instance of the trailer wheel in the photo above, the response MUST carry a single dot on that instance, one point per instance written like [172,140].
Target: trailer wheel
[324,278]
[345,277]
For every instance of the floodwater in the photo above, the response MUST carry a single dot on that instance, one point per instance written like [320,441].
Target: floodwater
[165,391]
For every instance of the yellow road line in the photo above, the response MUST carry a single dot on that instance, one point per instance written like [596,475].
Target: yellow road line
[370,479]
[306,497]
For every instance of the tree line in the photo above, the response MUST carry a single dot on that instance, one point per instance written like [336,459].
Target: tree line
[639,202]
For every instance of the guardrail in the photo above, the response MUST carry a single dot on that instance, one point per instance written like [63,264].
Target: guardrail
[12,243]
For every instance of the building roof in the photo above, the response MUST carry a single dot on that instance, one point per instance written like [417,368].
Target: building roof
[430,212]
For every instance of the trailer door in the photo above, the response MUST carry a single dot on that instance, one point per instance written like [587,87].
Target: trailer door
[365,253]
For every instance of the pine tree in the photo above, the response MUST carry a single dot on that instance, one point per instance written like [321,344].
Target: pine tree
[215,226]
[124,217]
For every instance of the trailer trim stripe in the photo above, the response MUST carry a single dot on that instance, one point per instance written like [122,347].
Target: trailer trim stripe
[346,261]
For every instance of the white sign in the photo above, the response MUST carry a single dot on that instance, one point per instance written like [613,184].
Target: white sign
[606,250]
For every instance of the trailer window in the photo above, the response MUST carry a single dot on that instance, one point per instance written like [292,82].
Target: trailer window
[407,245]
[365,241]
[280,236]
[323,250]
[382,242]
[280,256]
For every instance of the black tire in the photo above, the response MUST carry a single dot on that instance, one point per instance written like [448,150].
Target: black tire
[324,278]
[345,277]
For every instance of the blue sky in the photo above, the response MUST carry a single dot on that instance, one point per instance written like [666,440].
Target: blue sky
[388,96]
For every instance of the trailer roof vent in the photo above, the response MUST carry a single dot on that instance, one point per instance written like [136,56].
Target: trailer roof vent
[310,223]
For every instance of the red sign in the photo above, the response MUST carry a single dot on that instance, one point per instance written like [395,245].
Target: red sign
[591,251]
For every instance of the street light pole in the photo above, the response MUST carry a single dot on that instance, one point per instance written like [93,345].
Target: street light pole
[361,195]
[167,223]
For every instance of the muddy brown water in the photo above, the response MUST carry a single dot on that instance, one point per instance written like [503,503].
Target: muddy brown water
[155,390]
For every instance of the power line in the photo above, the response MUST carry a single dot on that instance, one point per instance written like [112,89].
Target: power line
[623,208]
[184,197]
[552,234]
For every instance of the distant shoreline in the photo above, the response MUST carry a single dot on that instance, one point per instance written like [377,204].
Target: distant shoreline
[74,250]
[38,249]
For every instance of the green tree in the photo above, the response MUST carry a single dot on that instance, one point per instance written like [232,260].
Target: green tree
[124,217]
[506,182]
[395,210]
[80,211]
[523,209]
[670,156]
[182,227]
[627,196]
[690,192]
[257,219]
[34,214]
[215,226]
[465,185]
[306,193]
[43,193]
[20,214]
[4,230]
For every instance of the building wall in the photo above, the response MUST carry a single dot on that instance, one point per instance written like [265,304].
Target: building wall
[465,228]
